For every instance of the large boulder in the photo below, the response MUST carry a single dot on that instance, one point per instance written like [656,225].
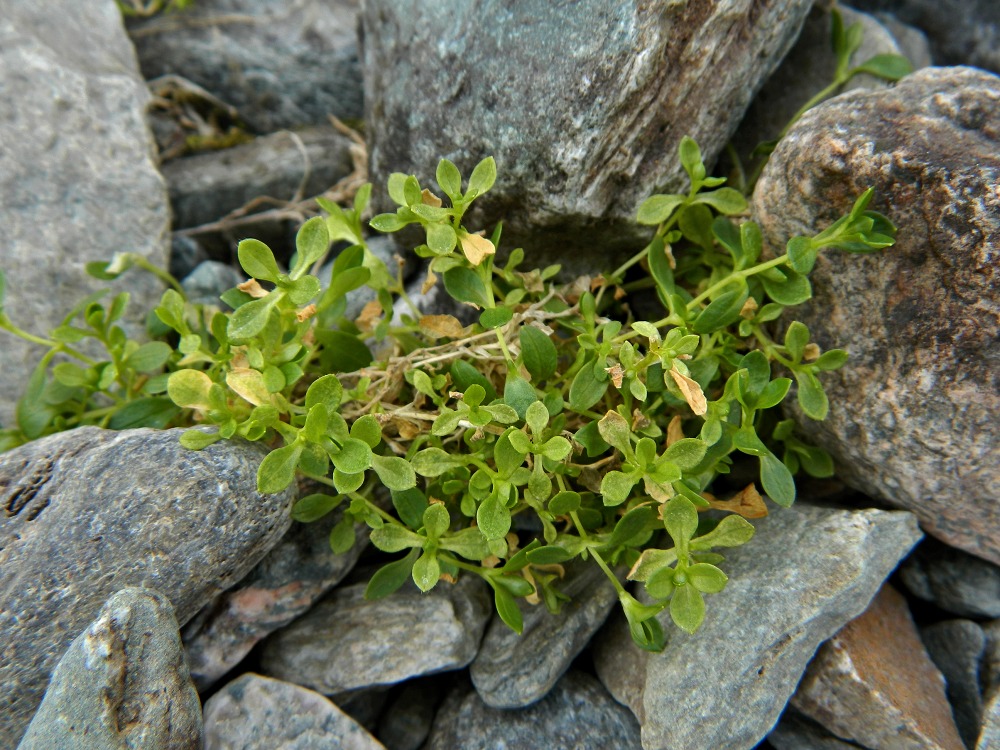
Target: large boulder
[583,105]
[913,414]
[78,178]
[89,512]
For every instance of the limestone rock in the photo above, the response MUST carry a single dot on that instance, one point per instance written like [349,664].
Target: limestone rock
[282,65]
[578,713]
[807,571]
[123,683]
[89,512]
[77,172]
[912,416]
[873,683]
[956,647]
[346,642]
[582,105]
[953,580]
[257,713]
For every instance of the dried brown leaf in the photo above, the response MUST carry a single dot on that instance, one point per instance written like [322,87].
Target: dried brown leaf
[442,325]
[476,247]
[253,288]
[690,390]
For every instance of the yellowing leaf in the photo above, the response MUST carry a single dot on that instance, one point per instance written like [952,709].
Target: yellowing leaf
[429,282]
[690,390]
[475,246]
[253,288]
[747,503]
[249,384]
[429,199]
[617,374]
[749,308]
[675,431]
[371,312]
[442,325]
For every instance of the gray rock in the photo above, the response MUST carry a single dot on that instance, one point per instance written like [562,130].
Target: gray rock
[797,732]
[806,572]
[514,670]
[281,65]
[913,43]
[284,166]
[957,647]
[91,511]
[286,583]
[953,580]
[209,280]
[77,173]
[989,736]
[407,719]
[123,683]
[912,418]
[609,90]
[347,642]
[256,713]
[577,714]
[185,255]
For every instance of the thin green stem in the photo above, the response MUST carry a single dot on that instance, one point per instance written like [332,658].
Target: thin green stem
[735,275]
[607,571]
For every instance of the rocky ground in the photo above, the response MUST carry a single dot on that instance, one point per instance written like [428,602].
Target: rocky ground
[151,598]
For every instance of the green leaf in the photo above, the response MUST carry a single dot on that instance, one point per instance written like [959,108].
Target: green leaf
[556,448]
[190,389]
[432,462]
[550,555]
[343,352]
[342,535]
[793,290]
[645,628]
[325,390]
[393,538]
[659,267]
[410,505]
[149,357]
[248,320]
[465,285]
[706,578]
[656,209]
[464,374]
[811,396]
[687,608]
[616,487]
[258,260]
[495,317]
[493,518]
[801,254]
[686,453]
[311,243]
[777,480]
[681,520]
[796,338]
[469,543]
[538,353]
[347,483]
[723,310]
[389,578]
[773,393]
[889,66]
[483,177]
[436,520]
[426,571]
[304,289]
[537,417]
[589,437]
[195,440]
[313,507]
[519,394]
[696,225]
[387,223]
[441,238]
[724,200]
[586,390]
[631,524]
[146,412]
[833,359]
[354,456]
[449,179]
[732,531]
[277,470]
[690,156]
[367,430]
[395,472]
[508,610]
[616,431]
[564,503]
[502,413]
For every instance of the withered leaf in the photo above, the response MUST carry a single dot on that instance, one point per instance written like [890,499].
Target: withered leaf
[690,390]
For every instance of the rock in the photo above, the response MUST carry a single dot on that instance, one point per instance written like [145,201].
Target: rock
[912,417]
[285,166]
[989,736]
[346,642]
[205,284]
[578,713]
[123,683]
[407,720]
[89,512]
[957,582]
[281,65]
[873,683]
[961,32]
[815,568]
[514,670]
[283,586]
[185,256]
[256,713]
[956,647]
[796,732]
[913,43]
[619,85]
[82,175]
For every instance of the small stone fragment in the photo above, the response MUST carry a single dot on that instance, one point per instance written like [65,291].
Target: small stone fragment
[407,720]
[954,580]
[956,647]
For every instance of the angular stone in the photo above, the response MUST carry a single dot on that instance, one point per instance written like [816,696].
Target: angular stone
[956,647]
[123,683]
[257,713]
[578,713]
[619,84]
[346,642]
[282,65]
[953,580]
[989,736]
[807,571]
[873,683]
[283,586]
[283,166]
[796,732]
[514,670]
[77,171]
[407,720]
[913,416]
[89,512]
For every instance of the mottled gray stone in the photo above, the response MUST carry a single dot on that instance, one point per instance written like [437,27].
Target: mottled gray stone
[957,647]
[407,720]
[578,714]
[209,280]
[89,512]
[346,642]
[989,736]
[514,670]
[78,181]
[281,65]
[953,580]
[913,417]
[583,105]
[185,255]
[286,583]
[257,713]
[123,683]
[283,166]
[797,732]
[807,571]
[913,43]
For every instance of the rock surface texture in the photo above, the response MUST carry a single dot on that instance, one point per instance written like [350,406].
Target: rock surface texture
[913,416]
[257,713]
[123,683]
[88,512]
[956,647]
[953,580]
[77,172]
[281,65]
[582,106]
[815,568]
[873,683]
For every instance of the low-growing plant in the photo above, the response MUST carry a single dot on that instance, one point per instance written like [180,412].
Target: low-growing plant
[555,427]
